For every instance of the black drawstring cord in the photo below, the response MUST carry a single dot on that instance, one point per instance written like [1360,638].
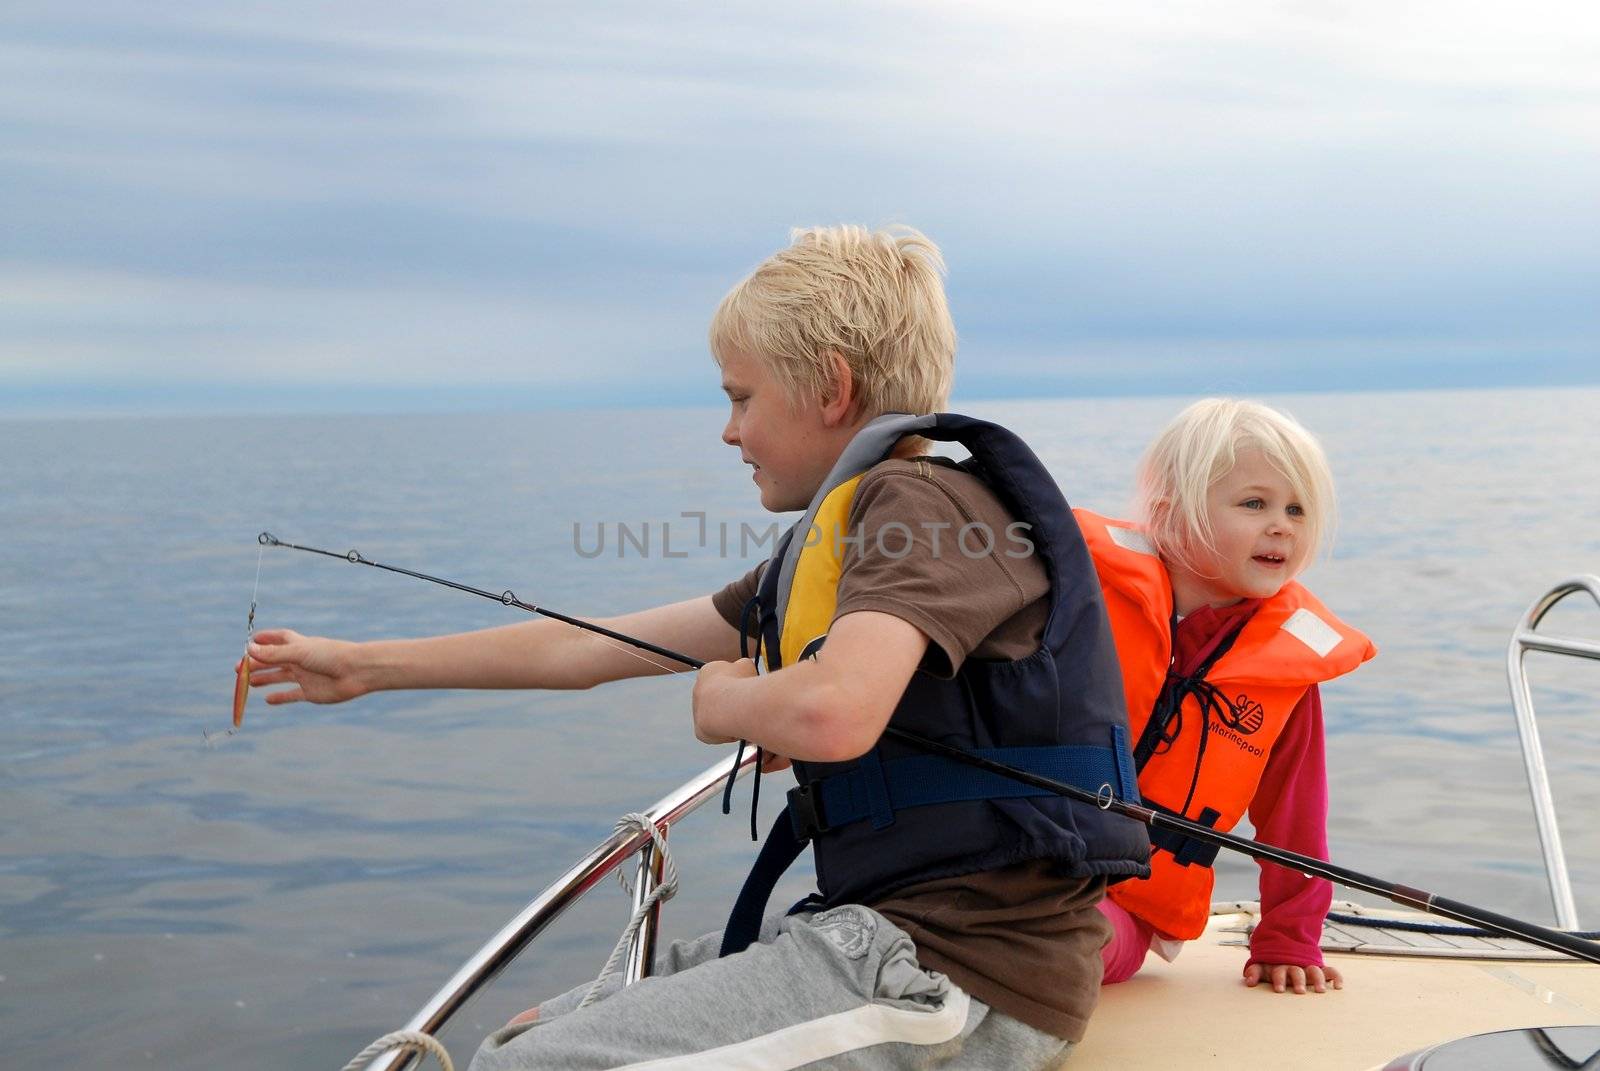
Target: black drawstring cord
[1166,720]
[1210,697]
[727,787]
[755,793]
[1170,710]
[751,609]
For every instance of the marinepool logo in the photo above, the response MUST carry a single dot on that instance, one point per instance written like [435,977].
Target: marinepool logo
[1245,715]
[1238,720]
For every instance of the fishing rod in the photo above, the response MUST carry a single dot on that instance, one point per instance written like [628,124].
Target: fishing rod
[505,598]
[1405,895]
[1106,800]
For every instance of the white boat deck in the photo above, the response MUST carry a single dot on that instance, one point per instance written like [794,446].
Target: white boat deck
[1403,992]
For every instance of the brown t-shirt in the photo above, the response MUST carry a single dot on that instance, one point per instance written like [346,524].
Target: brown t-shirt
[1022,939]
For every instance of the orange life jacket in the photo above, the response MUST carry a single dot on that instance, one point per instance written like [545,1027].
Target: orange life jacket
[1291,642]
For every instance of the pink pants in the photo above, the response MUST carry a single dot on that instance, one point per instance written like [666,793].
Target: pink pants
[1124,954]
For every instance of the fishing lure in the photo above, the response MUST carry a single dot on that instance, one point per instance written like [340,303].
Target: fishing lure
[241,690]
[241,681]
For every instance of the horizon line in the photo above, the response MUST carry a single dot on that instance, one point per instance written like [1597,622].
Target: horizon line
[63,401]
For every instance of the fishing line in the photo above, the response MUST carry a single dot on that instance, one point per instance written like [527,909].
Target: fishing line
[241,684]
[1105,799]
[250,625]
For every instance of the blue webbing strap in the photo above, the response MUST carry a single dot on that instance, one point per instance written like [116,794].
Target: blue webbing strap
[921,780]
[916,781]
[782,847]
[1127,776]
[873,780]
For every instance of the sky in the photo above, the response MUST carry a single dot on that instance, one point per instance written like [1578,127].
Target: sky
[390,206]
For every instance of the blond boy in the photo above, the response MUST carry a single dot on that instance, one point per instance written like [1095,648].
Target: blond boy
[955,923]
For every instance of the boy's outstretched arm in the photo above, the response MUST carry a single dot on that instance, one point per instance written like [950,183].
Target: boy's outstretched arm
[827,709]
[528,654]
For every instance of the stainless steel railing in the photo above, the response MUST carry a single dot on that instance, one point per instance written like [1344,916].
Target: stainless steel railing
[1523,640]
[496,954]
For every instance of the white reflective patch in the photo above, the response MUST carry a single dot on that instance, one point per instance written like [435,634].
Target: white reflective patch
[1312,631]
[1129,539]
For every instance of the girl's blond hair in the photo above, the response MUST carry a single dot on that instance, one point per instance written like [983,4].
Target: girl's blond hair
[874,297]
[1200,447]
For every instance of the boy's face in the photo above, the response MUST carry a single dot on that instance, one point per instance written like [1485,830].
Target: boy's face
[790,447]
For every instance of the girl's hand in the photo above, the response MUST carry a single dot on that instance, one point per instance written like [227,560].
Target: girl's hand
[1285,976]
[319,670]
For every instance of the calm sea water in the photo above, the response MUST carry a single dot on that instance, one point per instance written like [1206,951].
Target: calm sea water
[176,896]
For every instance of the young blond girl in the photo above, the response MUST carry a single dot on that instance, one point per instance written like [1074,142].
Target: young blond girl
[1222,652]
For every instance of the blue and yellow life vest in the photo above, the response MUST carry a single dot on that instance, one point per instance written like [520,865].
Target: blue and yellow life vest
[896,816]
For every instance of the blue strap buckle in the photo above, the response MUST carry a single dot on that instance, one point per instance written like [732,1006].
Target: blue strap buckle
[1187,851]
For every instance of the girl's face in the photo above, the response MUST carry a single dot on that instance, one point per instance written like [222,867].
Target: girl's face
[1259,527]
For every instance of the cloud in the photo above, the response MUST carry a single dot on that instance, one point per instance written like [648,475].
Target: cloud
[557,194]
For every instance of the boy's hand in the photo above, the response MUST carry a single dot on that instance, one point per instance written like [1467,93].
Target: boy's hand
[1286,976]
[320,670]
[713,676]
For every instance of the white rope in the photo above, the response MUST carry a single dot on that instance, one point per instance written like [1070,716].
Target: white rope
[402,1040]
[668,887]
[662,892]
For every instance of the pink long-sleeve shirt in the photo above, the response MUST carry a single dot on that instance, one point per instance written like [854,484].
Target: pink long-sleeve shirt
[1290,806]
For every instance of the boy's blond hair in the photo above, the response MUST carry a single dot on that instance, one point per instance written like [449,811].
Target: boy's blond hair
[874,297]
[1199,447]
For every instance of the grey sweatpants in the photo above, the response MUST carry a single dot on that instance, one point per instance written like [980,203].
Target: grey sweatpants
[839,989]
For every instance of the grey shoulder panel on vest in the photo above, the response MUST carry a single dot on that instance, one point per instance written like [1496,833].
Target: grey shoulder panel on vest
[870,446]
